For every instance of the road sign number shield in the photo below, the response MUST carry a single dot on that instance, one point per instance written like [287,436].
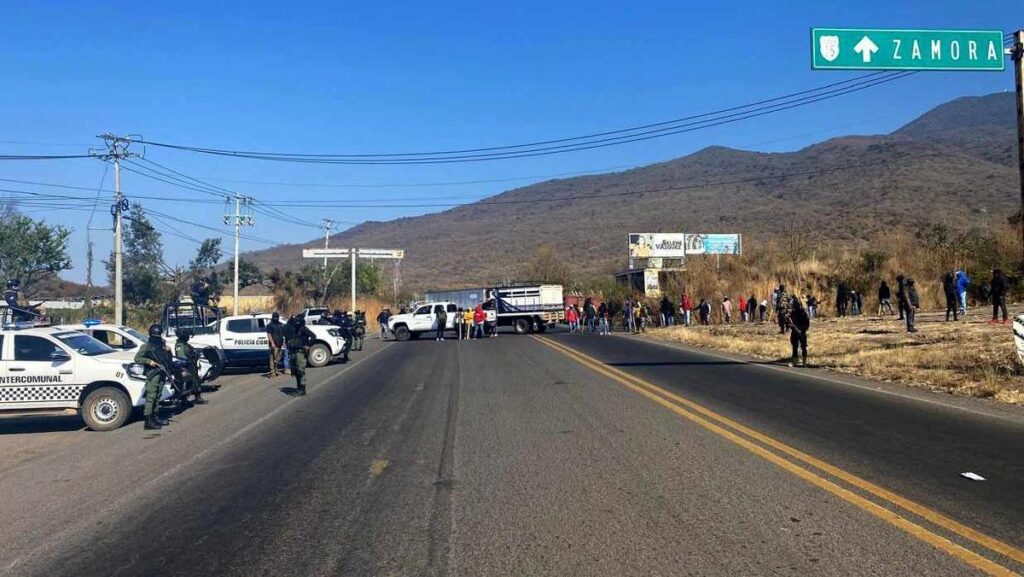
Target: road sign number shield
[829,47]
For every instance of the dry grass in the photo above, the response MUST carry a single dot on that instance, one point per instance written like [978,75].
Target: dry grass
[969,357]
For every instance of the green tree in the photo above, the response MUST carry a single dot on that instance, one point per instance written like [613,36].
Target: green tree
[547,266]
[31,249]
[248,273]
[142,259]
[207,256]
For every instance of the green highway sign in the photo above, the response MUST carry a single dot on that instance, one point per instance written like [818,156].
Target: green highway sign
[869,49]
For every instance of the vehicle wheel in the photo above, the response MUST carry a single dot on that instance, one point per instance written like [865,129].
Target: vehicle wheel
[521,326]
[402,333]
[106,409]
[319,355]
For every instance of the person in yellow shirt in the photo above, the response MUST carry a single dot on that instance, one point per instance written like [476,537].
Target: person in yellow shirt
[467,319]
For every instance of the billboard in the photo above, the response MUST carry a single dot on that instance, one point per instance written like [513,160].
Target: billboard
[714,244]
[656,245]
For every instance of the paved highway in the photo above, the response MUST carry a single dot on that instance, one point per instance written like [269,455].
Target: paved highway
[554,455]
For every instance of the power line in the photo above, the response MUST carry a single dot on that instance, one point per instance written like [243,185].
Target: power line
[587,142]
[43,156]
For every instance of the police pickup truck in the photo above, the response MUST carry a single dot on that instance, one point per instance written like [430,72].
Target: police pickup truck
[118,337]
[243,340]
[53,370]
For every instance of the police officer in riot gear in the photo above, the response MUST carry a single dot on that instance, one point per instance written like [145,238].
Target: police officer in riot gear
[298,338]
[183,350]
[358,330]
[18,312]
[153,354]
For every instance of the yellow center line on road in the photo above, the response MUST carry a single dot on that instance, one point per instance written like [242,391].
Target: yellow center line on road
[721,426]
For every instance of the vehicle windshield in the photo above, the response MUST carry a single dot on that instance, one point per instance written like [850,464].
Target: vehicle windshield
[83,344]
[134,333]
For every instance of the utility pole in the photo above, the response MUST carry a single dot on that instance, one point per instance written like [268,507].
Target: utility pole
[353,309]
[243,217]
[327,225]
[1017,54]
[117,149]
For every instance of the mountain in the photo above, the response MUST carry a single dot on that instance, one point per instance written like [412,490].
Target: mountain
[946,165]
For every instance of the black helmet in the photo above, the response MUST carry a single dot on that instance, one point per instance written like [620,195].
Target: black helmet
[275,317]
[184,334]
[155,330]
[13,283]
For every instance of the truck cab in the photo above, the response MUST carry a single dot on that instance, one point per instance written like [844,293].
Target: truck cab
[422,319]
[243,340]
[119,337]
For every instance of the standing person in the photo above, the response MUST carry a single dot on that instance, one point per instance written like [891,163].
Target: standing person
[590,312]
[298,338]
[183,350]
[382,319]
[952,302]
[762,310]
[884,294]
[666,311]
[901,296]
[855,302]
[812,306]
[275,342]
[782,308]
[962,282]
[441,320]
[741,306]
[479,316]
[153,354]
[602,315]
[467,323]
[726,310]
[570,316]
[913,303]
[842,294]
[686,307]
[799,323]
[752,308]
[1000,286]
[703,312]
[457,323]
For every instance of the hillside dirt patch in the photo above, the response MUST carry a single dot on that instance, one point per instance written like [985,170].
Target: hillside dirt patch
[969,357]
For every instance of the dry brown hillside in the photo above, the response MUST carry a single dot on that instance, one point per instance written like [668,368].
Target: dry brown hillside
[946,166]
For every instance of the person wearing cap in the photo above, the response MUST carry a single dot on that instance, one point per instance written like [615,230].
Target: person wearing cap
[275,343]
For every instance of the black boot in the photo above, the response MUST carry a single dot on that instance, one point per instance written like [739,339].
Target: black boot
[152,424]
[199,400]
[300,390]
[160,421]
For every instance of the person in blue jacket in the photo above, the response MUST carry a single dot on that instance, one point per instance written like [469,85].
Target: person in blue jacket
[962,282]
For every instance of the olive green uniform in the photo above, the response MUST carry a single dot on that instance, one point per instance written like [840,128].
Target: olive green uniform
[298,340]
[150,356]
[183,350]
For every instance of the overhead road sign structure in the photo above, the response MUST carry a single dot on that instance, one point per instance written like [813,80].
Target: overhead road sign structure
[881,49]
[353,254]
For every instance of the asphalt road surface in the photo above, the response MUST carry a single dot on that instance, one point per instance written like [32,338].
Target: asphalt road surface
[553,455]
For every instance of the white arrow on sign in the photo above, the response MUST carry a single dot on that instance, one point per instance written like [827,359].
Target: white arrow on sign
[866,48]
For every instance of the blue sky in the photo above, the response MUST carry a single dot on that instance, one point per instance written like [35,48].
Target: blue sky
[408,76]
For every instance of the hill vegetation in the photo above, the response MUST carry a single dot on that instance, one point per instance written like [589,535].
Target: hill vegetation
[954,166]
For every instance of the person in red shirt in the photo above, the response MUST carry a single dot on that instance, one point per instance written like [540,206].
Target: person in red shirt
[572,317]
[743,308]
[479,316]
[686,307]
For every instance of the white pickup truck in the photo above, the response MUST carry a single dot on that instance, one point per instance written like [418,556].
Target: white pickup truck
[53,370]
[118,337]
[243,340]
[422,319]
